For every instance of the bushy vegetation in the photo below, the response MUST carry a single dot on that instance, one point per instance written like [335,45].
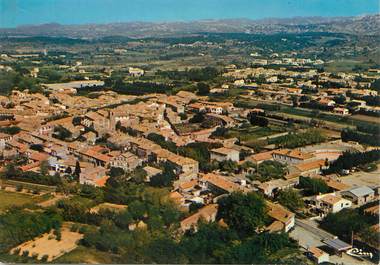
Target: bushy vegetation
[10,130]
[313,186]
[291,199]
[360,137]
[17,226]
[268,170]
[257,120]
[62,133]
[349,221]
[13,173]
[13,80]
[293,140]
[243,213]
[349,160]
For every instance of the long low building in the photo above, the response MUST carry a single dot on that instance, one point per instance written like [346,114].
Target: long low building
[73,86]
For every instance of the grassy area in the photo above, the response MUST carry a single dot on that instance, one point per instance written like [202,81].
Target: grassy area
[346,65]
[8,199]
[252,133]
[346,121]
[85,255]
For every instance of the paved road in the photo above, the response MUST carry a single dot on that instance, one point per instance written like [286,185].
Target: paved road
[308,235]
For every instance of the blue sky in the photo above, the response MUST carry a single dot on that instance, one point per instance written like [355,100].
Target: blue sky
[21,12]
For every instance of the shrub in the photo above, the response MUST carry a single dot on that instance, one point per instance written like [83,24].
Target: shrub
[44,258]
[74,228]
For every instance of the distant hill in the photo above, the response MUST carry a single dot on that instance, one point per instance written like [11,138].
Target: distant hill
[362,25]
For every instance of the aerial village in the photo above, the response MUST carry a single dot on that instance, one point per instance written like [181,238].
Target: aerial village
[202,149]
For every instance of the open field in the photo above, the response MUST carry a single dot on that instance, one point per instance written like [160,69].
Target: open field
[8,199]
[252,133]
[48,246]
[366,118]
[345,65]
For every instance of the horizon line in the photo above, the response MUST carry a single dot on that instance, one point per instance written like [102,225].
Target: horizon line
[184,20]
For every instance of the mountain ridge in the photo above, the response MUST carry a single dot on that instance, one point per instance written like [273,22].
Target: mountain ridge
[358,25]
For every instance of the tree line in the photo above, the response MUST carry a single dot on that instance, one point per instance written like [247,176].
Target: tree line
[348,160]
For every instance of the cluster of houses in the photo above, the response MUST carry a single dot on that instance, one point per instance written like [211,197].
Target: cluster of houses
[285,85]
[112,131]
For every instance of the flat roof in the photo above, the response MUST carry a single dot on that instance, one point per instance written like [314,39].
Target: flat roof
[337,244]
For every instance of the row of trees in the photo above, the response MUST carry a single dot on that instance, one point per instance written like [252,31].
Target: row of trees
[360,137]
[349,160]
[294,140]
[13,173]
[10,130]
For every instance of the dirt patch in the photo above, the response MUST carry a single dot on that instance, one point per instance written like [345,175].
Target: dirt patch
[48,246]
[108,206]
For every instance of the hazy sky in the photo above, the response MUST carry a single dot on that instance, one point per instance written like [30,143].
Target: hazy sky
[20,12]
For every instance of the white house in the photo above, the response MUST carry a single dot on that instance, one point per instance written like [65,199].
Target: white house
[223,153]
[330,203]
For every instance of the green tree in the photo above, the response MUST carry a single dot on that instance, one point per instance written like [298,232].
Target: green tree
[77,170]
[291,199]
[203,89]
[62,133]
[313,186]
[197,118]
[208,244]
[243,212]
[165,251]
[91,192]
[257,120]
[44,167]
